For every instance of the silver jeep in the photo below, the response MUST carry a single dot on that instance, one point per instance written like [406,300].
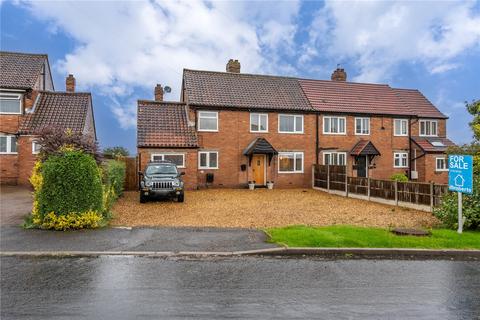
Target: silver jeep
[161,179]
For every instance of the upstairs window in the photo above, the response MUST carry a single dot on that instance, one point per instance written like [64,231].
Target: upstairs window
[208,121]
[362,126]
[10,103]
[400,160]
[400,127]
[258,122]
[334,125]
[289,123]
[428,128]
[8,144]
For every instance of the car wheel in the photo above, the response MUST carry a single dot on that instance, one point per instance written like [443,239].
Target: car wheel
[181,198]
[143,198]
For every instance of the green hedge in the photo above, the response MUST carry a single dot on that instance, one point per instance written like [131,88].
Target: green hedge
[71,183]
[114,175]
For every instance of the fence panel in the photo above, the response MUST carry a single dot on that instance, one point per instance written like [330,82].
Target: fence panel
[131,177]
[384,189]
[358,185]
[337,177]
[320,176]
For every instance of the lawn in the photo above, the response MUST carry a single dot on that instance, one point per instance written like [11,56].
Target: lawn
[264,208]
[360,237]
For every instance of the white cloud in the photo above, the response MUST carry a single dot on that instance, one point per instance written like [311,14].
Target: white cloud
[379,35]
[126,44]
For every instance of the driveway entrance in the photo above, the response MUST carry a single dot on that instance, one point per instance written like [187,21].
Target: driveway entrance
[15,204]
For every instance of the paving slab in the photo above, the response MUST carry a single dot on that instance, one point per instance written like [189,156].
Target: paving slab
[14,238]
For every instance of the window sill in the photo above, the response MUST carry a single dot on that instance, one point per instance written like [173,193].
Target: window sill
[290,172]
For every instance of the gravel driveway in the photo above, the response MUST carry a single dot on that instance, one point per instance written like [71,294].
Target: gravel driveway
[264,208]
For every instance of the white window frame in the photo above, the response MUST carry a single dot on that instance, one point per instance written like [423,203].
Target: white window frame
[400,156]
[295,116]
[445,161]
[35,143]
[361,126]
[9,144]
[207,167]
[425,121]
[163,154]
[401,134]
[329,118]
[12,96]
[294,153]
[330,153]
[199,115]
[259,116]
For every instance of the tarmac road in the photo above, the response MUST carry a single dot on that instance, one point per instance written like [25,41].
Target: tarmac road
[128,287]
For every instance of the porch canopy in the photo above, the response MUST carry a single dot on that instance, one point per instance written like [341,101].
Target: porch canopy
[260,146]
[364,148]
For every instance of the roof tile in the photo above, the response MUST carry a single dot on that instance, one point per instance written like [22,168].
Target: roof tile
[20,70]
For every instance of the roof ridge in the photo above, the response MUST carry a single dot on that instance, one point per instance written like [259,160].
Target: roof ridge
[24,53]
[65,93]
[153,102]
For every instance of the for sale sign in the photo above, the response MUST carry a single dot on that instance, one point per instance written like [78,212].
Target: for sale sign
[460,175]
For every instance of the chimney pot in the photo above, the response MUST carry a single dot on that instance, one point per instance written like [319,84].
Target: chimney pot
[233,66]
[70,83]
[158,92]
[339,75]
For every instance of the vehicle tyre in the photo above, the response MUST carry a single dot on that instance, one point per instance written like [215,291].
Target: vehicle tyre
[181,197]
[143,198]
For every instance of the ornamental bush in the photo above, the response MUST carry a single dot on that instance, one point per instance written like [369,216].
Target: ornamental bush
[114,175]
[400,177]
[71,183]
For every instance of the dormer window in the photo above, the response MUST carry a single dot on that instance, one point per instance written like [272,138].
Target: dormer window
[428,128]
[10,103]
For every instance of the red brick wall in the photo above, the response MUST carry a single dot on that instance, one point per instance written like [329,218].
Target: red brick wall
[234,136]
[191,163]
[381,135]
[431,175]
[26,160]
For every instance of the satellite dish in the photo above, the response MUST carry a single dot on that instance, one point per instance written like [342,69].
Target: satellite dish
[167,89]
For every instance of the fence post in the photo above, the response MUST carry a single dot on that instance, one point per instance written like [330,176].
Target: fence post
[368,188]
[432,199]
[396,192]
[328,177]
[346,183]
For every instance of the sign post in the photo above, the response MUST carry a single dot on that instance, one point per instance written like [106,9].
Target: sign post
[460,179]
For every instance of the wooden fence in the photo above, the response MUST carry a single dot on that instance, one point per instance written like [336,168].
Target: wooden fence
[418,195]
[131,176]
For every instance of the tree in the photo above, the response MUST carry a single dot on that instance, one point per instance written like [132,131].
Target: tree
[474,109]
[114,152]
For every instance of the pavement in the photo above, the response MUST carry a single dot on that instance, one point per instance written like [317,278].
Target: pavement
[15,204]
[16,239]
[120,287]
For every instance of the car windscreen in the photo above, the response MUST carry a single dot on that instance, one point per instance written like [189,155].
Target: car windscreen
[161,169]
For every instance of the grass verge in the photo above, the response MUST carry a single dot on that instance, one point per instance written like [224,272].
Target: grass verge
[360,237]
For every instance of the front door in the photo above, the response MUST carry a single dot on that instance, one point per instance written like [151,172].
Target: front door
[258,169]
[362,166]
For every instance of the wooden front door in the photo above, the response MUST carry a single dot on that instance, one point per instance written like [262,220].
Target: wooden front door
[258,169]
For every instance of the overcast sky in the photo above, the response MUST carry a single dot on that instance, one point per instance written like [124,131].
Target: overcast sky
[120,50]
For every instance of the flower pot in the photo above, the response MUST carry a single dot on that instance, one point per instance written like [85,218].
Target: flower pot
[270,185]
[251,186]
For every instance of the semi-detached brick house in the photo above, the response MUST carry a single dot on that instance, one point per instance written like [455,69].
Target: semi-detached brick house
[231,128]
[28,104]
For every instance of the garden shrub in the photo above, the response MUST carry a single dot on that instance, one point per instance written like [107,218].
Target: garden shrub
[400,177]
[72,220]
[114,175]
[71,183]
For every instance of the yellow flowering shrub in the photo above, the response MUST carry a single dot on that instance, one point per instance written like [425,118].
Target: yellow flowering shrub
[89,219]
[36,178]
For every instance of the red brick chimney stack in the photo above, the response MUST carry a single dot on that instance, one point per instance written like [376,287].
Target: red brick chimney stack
[233,66]
[158,93]
[339,75]
[70,83]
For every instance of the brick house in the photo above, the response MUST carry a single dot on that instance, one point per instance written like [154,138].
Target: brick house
[231,128]
[28,103]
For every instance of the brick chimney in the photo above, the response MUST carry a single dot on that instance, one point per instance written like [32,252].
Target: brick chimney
[339,75]
[233,66]
[158,92]
[70,83]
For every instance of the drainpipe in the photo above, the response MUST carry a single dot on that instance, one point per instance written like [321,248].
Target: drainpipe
[316,141]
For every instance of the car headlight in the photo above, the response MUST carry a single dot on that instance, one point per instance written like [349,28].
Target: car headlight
[176,183]
[148,183]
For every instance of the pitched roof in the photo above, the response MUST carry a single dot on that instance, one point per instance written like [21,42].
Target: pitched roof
[433,144]
[417,102]
[259,146]
[20,70]
[240,90]
[363,148]
[63,110]
[349,97]
[164,124]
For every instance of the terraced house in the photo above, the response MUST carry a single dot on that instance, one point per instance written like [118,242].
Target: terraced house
[28,104]
[230,128]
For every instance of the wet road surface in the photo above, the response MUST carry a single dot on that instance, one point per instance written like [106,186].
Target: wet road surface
[115,287]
